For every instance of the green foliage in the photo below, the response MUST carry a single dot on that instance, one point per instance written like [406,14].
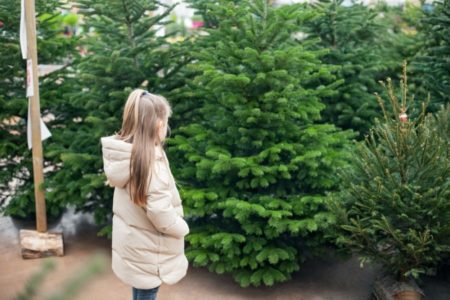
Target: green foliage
[123,53]
[394,207]
[255,164]
[35,281]
[53,47]
[363,46]
[401,38]
[255,149]
[432,63]
[93,267]
[206,9]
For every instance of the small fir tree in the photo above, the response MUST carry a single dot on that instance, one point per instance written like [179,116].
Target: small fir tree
[394,208]
[255,166]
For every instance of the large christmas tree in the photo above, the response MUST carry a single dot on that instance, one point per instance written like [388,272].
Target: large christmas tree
[54,47]
[255,165]
[123,53]
[186,97]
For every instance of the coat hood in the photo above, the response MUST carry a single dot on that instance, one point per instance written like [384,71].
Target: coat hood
[116,159]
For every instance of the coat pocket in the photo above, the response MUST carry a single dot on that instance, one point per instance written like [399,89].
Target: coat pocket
[171,245]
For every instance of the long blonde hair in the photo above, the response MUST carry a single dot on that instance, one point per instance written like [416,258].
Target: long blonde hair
[141,117]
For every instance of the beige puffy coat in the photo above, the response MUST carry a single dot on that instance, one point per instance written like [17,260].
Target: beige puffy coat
[147,244]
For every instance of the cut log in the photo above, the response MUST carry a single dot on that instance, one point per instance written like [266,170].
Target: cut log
[36,244]
[386,288]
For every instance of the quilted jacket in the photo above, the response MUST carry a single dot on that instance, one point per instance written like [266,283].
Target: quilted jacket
[147,242]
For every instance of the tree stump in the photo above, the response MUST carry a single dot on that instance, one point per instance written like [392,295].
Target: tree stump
[41,244]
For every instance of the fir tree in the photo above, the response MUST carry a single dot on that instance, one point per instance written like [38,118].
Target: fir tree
[123,53]
[394,205]
[255,167]
[16,170]
[186,98]
[432,64]
[400,37]
[206,8]
[355,36]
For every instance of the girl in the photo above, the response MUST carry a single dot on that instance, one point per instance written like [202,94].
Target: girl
[148,226]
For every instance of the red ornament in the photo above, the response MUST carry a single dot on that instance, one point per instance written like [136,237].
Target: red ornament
[1,24]
[403,117]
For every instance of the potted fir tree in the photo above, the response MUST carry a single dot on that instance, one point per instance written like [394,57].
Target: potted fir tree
[394,207]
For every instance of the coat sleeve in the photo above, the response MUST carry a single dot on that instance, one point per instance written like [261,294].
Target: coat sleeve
[163,214]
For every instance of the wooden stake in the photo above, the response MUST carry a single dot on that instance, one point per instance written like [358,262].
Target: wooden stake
[38,172]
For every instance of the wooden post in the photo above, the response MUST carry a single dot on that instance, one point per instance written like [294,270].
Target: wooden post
[38,172]
[40,243]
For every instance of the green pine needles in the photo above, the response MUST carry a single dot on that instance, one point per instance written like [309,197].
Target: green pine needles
[255,167]
[16,168]
[256,94]
[432,63]
[358,47]
[123,53]
[395,207]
